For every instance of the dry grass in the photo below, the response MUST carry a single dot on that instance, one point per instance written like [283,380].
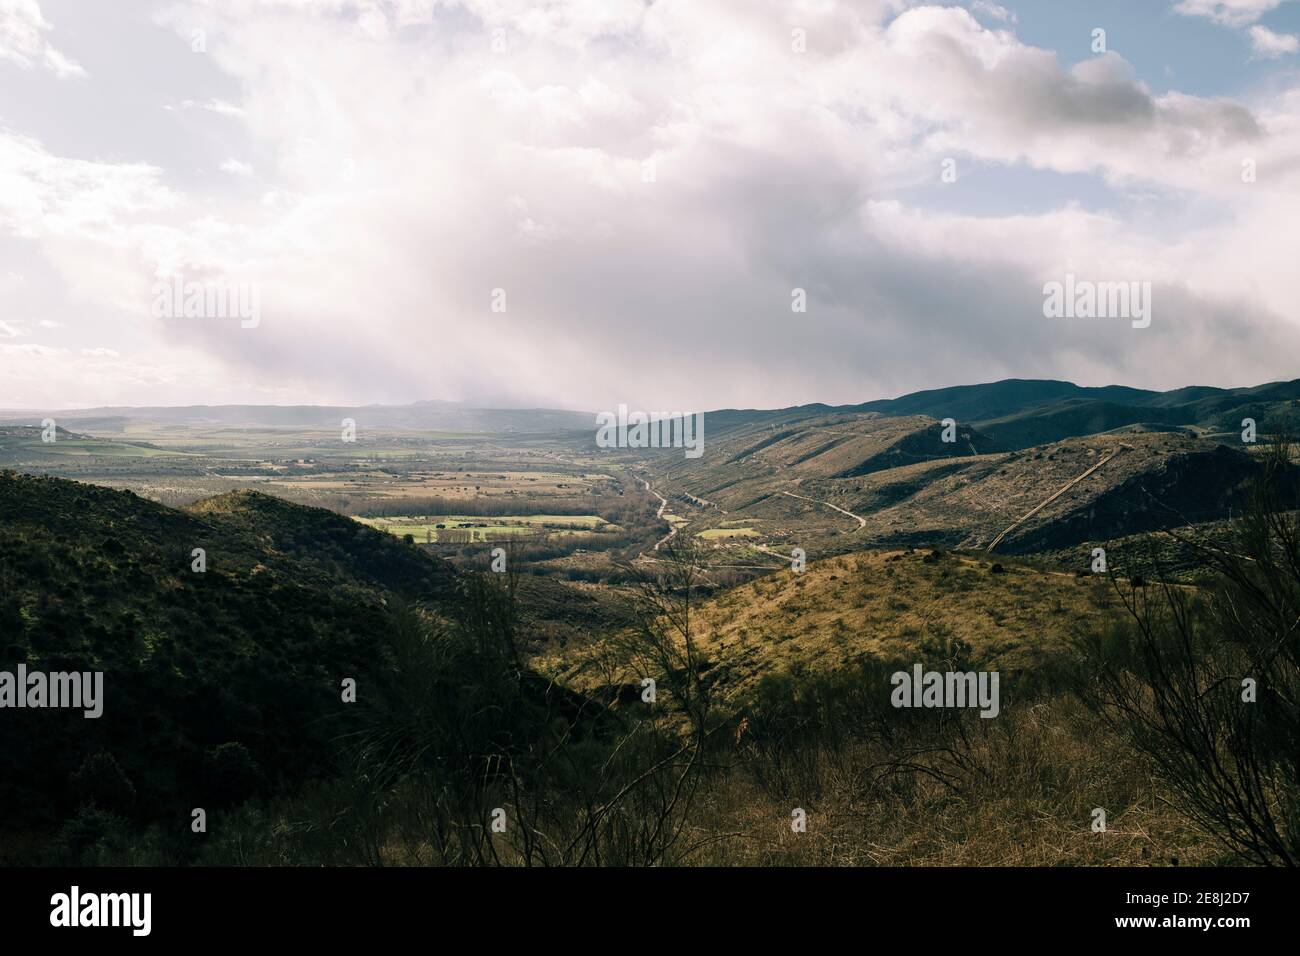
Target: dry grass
[1018,790]
[886,605]
[1041,772]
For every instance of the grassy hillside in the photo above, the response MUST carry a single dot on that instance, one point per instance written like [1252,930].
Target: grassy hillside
[1025,412]
[833,486]
[1021,413]
[1141,482]
[218,685]
[249,653]
[843,612]
[332,546]
[800,665]
[1078,417]
[843,446]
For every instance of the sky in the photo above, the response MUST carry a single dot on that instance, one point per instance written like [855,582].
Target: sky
[674,205]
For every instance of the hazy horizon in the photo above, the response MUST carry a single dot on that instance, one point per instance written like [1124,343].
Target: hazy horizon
[584,411]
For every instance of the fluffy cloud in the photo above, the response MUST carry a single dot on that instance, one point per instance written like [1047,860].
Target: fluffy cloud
[1269,44]
[44,194]
[236,168]
[23,41]
[988,94]
[994,10]
[1230,12]
[1243,13]
[647,184]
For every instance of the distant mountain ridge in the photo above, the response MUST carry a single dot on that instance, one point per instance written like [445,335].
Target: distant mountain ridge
[1028,465]
[1022,413]
[1015,412]
[997,399]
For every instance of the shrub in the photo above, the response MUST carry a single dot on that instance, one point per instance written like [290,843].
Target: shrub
[102,783]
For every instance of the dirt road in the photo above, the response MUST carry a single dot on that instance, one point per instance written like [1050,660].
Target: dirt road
[1047,501]
[862,522]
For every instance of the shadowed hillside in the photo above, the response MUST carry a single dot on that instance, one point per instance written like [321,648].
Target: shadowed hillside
[219,684]
[338,547]
[247,655]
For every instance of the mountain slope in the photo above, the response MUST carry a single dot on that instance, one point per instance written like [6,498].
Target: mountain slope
[220,684]
[339,548]
[1021,413]
[844,612]
[999,399]
[797,491]
[250,652]
[1083,489]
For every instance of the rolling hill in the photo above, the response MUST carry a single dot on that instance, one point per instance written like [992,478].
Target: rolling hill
[1037,466]
[844,612]
[219,684]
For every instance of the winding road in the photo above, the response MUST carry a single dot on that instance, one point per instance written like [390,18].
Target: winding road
[663,503]
[1047,501]
[862,522]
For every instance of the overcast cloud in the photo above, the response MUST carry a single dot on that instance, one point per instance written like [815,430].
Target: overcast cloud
[378,167]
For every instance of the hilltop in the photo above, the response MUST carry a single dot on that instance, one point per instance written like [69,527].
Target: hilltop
[844,612]
[1024,412]
[336,547]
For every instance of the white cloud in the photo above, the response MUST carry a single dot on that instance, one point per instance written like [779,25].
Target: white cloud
[985,93]
[1264,42]
[22,40]
[236,168]
[388,211]
[994,10]
[221,107]
[1233,13]
[41,193]
[1269,44]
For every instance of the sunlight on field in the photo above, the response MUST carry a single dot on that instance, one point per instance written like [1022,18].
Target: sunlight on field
[441,527]
[471,484]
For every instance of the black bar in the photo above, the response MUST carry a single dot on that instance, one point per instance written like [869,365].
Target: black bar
[604,908]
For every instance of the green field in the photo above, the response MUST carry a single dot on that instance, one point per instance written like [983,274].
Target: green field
[426,527]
